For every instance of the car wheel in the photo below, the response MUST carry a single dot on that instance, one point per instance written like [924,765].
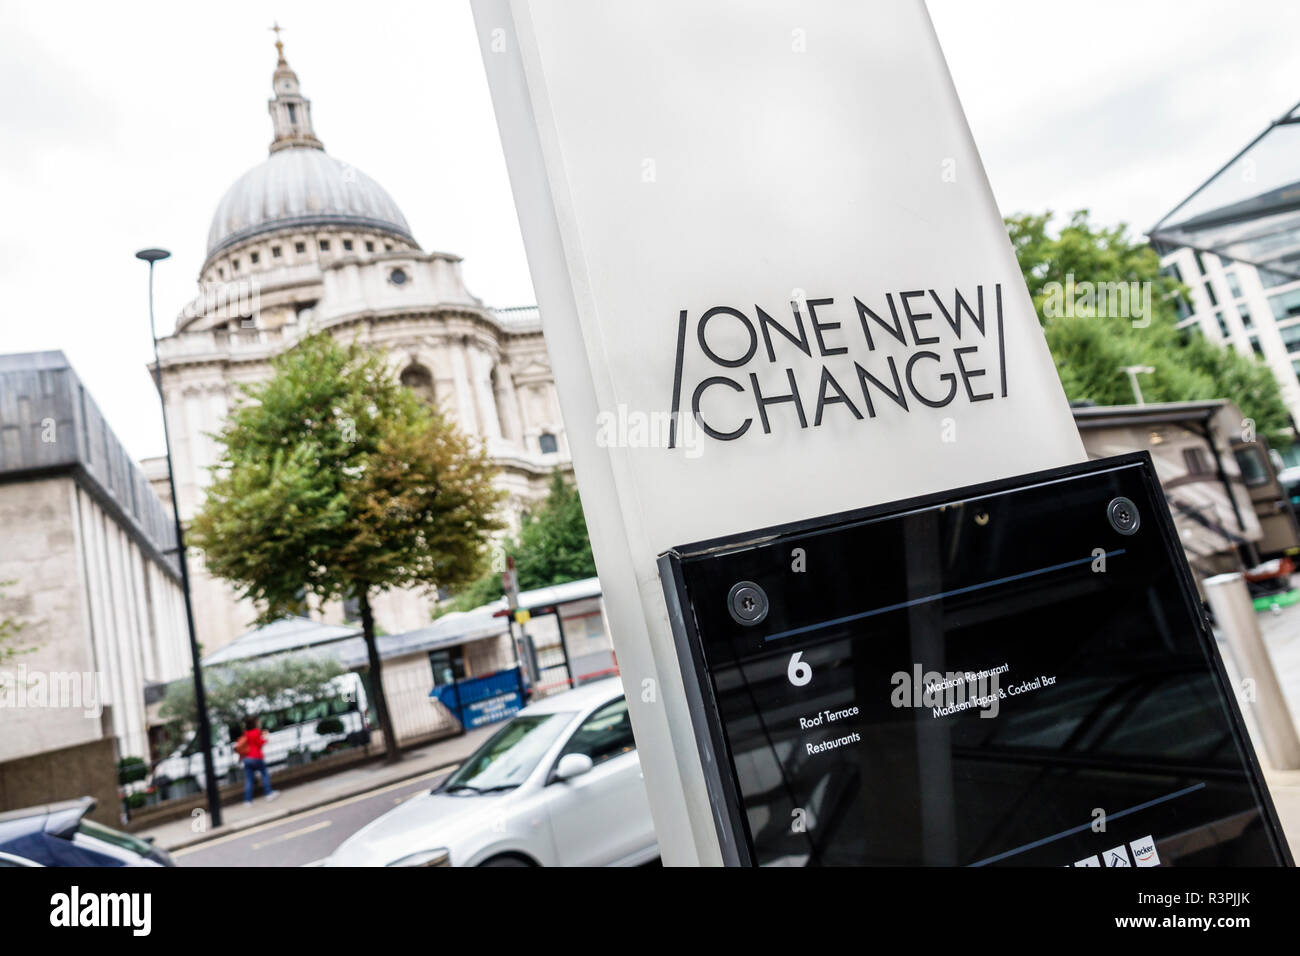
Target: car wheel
[508,859]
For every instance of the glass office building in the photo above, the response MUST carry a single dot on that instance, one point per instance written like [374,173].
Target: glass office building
[1235,243]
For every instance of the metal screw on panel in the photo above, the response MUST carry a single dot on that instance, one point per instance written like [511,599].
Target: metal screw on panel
[1123,515]
[747,603]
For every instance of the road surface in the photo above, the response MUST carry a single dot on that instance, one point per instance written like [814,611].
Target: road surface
[306,838]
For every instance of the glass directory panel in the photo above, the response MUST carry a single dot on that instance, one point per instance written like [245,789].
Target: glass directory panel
[1018,676]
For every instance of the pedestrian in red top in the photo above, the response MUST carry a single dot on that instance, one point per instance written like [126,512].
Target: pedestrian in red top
[249,747]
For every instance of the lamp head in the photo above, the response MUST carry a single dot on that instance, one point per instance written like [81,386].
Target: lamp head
[152,255]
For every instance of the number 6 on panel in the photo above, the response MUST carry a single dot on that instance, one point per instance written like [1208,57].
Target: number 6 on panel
[798,671]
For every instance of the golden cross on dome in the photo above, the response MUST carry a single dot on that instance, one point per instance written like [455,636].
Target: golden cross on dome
[279,44]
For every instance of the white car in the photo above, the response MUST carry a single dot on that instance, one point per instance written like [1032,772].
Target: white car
[559,785]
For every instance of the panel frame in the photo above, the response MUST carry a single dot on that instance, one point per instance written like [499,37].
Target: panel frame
[723,787]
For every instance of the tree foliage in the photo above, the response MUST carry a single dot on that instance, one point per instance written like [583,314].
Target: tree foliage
[334,477]
[552,547]
[337,481]
[1089,350]
[10,629]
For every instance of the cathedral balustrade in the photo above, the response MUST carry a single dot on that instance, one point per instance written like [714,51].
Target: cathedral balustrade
[224,342]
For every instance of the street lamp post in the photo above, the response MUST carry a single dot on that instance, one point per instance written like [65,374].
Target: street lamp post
[200,696]
[1133,371]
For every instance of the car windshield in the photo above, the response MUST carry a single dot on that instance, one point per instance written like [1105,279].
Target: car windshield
[124,840]
[510,755]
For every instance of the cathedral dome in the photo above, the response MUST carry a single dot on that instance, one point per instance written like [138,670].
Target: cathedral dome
[302,187]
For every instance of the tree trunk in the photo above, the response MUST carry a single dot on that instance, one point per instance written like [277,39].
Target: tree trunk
[391,754]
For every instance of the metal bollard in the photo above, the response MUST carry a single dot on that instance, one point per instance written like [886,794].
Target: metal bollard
[1235,614]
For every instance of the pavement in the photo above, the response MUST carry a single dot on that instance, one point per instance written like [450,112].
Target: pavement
[416,765]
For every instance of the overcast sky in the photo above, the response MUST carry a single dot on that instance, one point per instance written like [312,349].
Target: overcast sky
[123,124]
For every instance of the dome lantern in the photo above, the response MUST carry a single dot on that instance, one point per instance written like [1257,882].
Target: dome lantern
[290,110]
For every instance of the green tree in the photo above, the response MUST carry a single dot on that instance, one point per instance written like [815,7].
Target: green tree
[10,629]
[1089,349]
[481,591]
[283,681]
[337,481]
[552,547]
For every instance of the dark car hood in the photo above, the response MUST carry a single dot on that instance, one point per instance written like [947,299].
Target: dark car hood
[49,850]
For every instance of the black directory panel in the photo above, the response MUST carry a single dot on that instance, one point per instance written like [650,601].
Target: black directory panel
[1012,674]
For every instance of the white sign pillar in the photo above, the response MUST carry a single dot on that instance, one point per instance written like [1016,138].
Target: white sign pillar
[768,217]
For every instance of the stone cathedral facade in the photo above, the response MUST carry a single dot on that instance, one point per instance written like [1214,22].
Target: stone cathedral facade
[304,241]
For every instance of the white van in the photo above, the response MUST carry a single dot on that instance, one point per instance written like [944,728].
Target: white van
[294,733]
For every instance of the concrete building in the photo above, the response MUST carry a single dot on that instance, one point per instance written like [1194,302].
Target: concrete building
[305,242]
[1235,242]
[89,571]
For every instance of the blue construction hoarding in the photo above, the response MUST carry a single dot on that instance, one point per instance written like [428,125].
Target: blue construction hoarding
[482,700]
